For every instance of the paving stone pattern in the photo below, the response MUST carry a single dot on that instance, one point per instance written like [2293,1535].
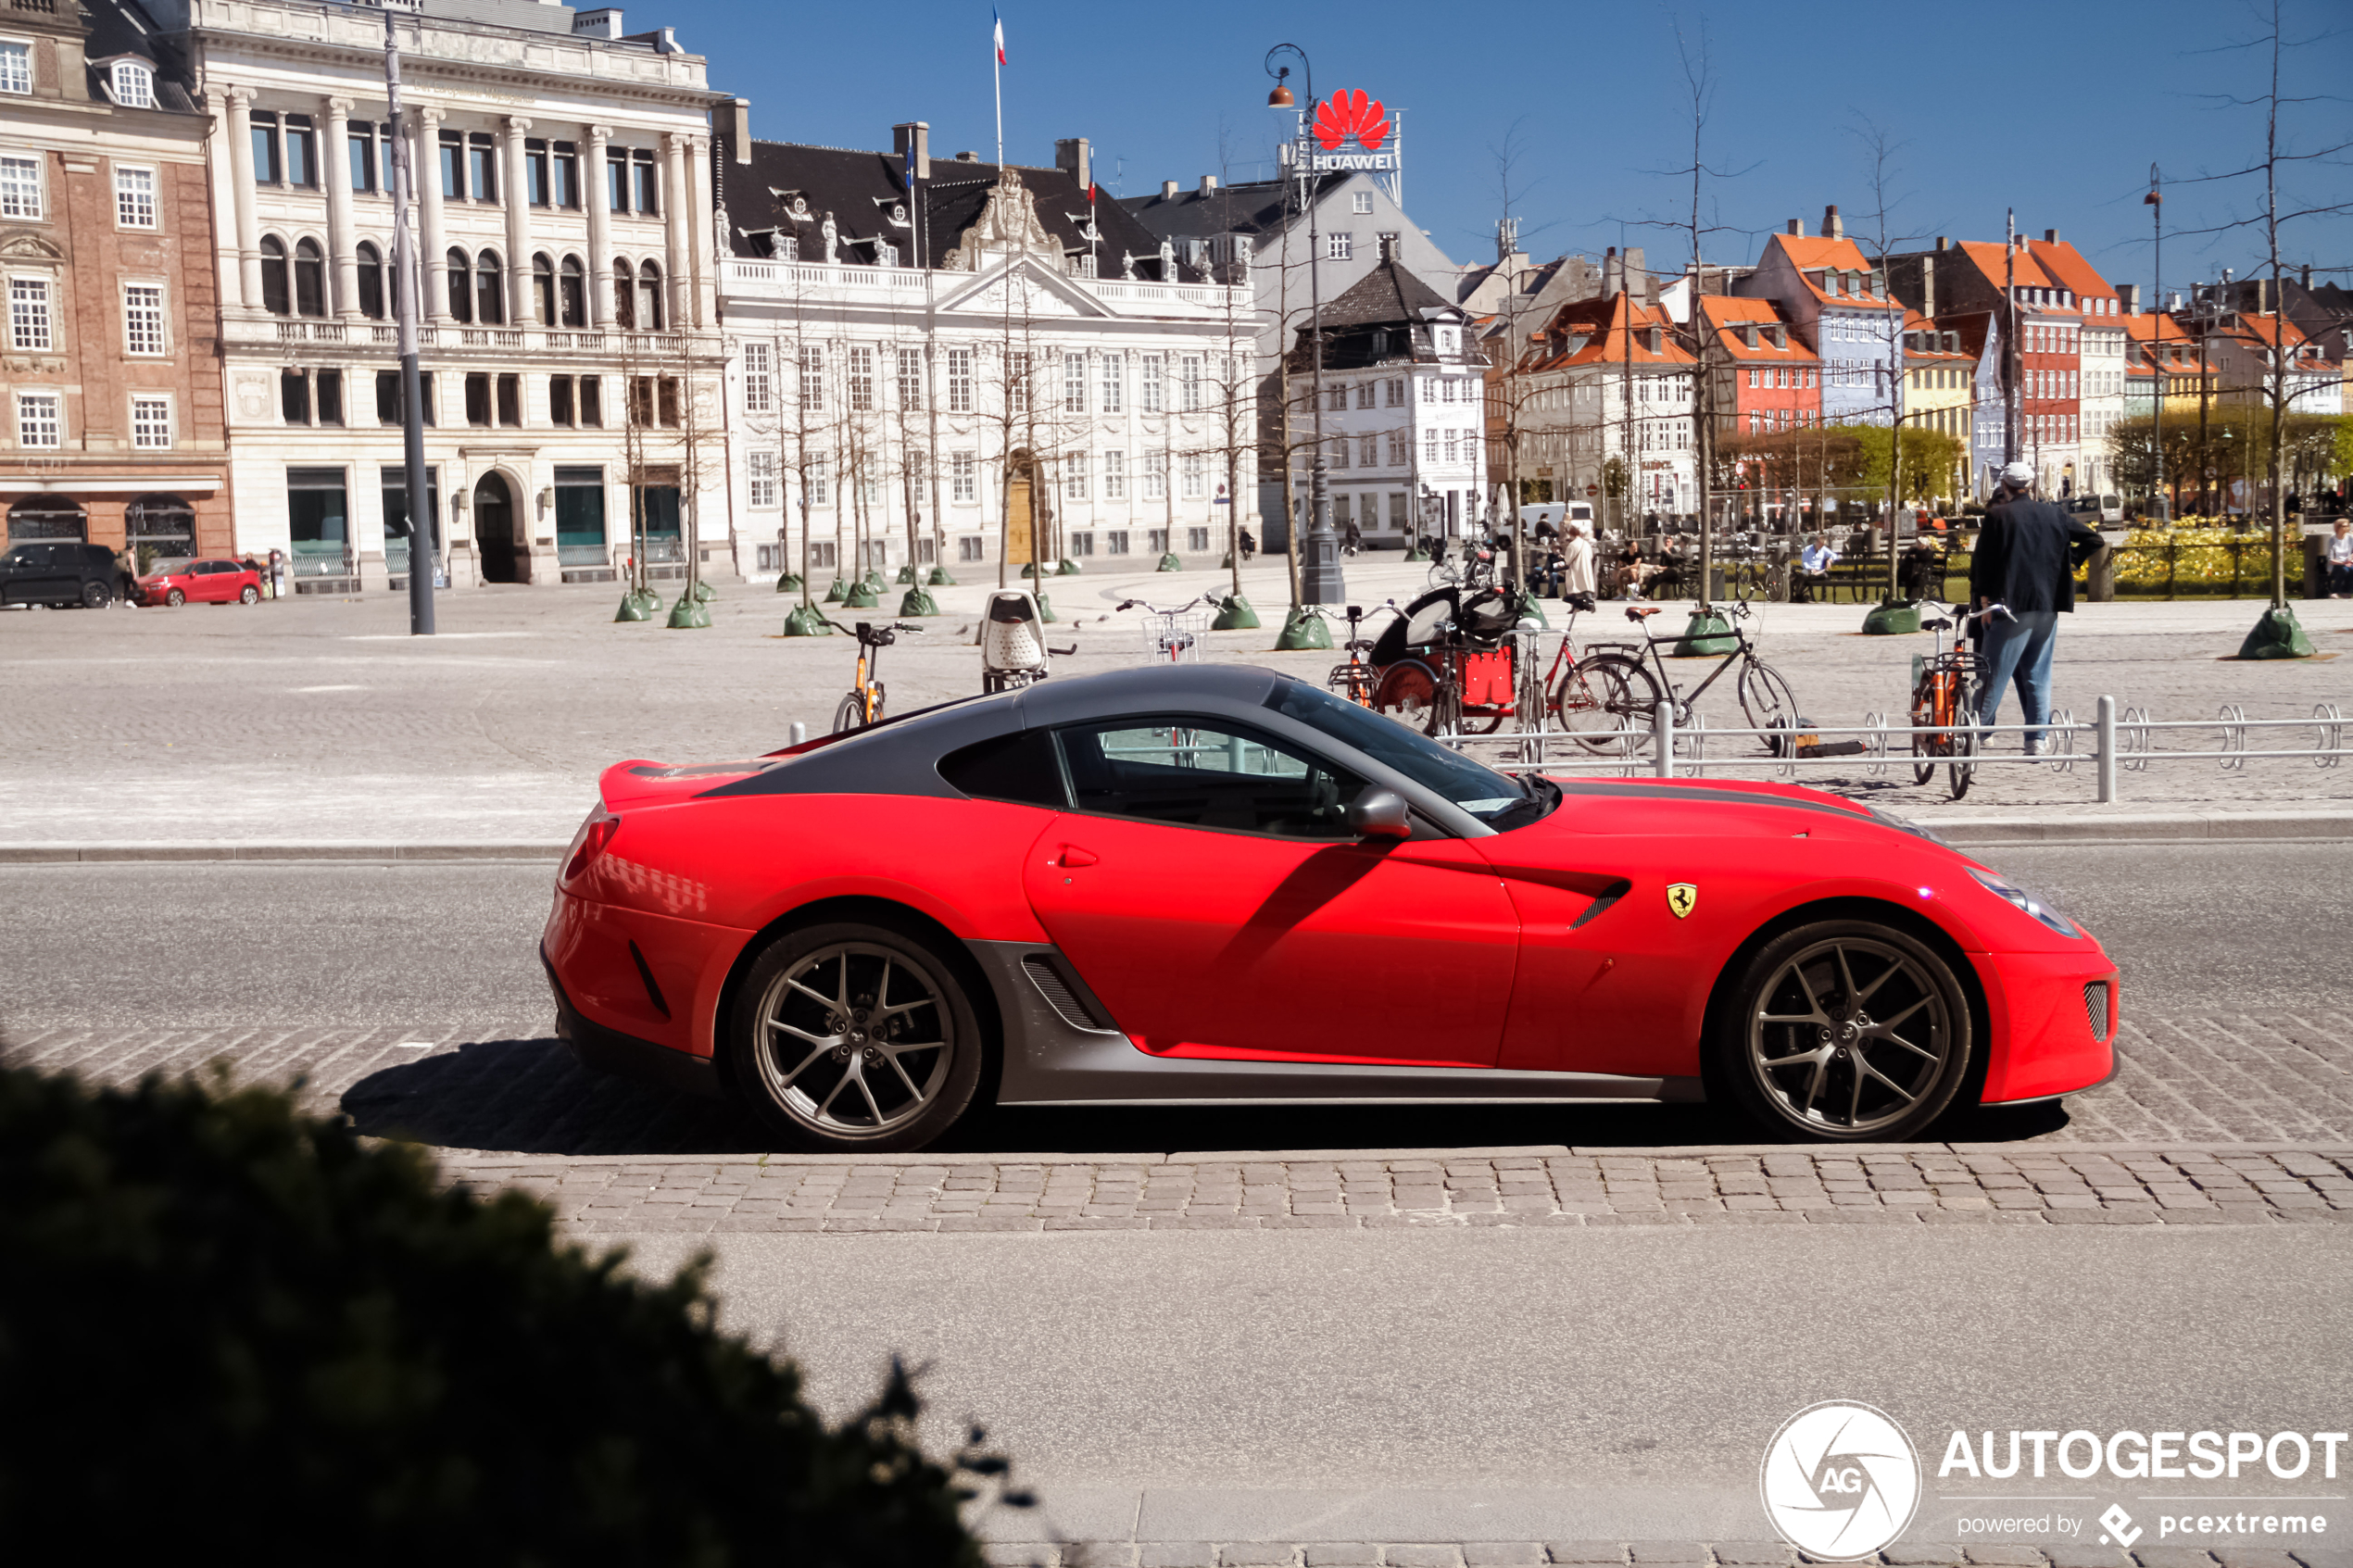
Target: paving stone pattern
[1593,1554]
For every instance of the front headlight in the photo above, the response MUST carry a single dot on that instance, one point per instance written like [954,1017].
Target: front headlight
[2034,904]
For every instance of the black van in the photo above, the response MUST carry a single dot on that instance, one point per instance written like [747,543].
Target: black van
[57,572]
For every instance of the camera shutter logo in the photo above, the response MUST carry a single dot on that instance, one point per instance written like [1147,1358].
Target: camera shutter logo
[1840,1481]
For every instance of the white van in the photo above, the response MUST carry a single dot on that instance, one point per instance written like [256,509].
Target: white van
[2098,510]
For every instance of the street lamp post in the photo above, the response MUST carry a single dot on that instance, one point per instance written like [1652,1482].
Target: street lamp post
[408,278]
[1320,581]
[2154,201]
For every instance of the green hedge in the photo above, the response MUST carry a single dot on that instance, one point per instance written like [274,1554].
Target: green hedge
[230,1329]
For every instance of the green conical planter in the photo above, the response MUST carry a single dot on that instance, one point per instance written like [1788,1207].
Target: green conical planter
[906,577]
[861,597]
[806,621]
[838,593]
[788,584]
[917,602]
[873,580]
[1417,552]
[704,591]
[1708,634]
[1892,621]
[1302,630]
[688,613]
[1029,569]
[1227,564]
[630,608]
[1234,614]
[2277,635]
[1170,563]
[1044,609]
[1067,568]
[939,578]
[647,600]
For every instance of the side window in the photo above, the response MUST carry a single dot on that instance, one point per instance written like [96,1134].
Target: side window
[1206,776]
[1020,767]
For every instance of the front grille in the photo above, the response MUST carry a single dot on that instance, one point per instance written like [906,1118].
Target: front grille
[2095,1008]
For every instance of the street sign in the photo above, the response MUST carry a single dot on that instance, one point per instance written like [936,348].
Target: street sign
[1592,490]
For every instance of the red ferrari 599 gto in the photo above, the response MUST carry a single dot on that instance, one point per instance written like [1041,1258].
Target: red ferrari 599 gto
[1216,883]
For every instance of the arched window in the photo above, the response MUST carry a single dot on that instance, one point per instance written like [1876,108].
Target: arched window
[649,297]
[489,308]
[372,282]
[624,294]
[461,294]
[158,528]
[576,294]
[135,85]
[309,278]
[542,289]
[48,517]
[276,296]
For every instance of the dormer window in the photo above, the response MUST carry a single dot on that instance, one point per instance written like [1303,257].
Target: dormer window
[135,85]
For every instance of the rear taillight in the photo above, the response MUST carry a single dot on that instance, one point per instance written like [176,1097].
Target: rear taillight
[595,833]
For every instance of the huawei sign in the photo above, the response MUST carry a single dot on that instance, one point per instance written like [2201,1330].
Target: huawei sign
[1347,114]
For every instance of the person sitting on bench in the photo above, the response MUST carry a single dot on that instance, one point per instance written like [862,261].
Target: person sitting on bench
[1814,564]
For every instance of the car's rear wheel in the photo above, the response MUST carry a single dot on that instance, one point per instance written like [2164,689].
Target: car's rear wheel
[851,1036]
[175,598]
[1847,1031]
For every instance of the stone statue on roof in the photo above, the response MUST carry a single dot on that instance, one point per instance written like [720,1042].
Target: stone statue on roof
[1167,262]
[1008,225]
[832,236]
[1127,264]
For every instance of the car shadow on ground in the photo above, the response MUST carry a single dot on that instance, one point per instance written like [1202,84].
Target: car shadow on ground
[533,1097]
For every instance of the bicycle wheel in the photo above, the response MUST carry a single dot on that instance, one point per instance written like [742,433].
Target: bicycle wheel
[1924,746]
[1408,692]
[850,715]
[1765,697]
[1597,698]
[1963,745]
[1442,575]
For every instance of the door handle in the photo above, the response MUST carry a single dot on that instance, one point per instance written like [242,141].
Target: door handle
[1074,856]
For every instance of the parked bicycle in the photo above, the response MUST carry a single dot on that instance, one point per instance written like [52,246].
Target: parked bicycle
[1476,568]
[1173,636]
[1621,687]
[1947,696]
[1357,679]
[1449,665]
[863,706]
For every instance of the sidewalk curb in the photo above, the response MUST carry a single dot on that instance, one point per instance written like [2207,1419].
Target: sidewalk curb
[2249,827]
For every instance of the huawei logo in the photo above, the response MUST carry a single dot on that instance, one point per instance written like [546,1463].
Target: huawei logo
[1346,114]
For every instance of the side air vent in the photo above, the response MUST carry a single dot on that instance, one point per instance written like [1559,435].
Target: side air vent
[1616,891]
[2095,1008]
[1059,996]
[646,973]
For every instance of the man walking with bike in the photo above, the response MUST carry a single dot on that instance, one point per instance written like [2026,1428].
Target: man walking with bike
[2026,558]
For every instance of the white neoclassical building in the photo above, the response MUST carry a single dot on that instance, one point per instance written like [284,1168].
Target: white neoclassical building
[941,361]
[564,217]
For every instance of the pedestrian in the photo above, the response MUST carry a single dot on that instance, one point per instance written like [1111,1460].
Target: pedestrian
[1353,540]
[1249,547]
[2341,561]
[1577,560]
[2026,558]
[1813,563]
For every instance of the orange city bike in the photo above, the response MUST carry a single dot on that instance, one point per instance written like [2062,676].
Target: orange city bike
[863,706]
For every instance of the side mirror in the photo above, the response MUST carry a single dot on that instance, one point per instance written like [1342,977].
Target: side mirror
[1380,813]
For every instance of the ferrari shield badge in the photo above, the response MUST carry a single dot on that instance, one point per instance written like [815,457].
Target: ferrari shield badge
[1681,898]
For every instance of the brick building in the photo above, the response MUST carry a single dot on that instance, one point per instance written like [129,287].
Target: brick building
[112,413]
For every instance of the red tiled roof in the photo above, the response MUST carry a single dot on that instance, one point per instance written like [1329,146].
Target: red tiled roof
[1730,313]
[2065,264]
[1617,331]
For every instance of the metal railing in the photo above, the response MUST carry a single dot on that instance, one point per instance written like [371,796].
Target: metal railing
[2116,744]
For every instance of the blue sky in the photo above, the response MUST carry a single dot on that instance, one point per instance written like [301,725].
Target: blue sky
[2056,107]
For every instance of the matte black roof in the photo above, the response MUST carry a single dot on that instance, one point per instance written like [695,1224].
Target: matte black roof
[1388,295]
[1255,208]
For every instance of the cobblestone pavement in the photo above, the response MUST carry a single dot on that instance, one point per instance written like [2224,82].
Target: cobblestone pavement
[322,720]
[1640,1554]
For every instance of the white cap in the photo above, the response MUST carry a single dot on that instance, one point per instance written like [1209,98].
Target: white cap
[2018,475]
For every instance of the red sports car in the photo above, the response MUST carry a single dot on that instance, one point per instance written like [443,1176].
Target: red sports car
[176,582]
[1219,883]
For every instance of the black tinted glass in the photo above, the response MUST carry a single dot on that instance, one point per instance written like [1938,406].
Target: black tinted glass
[1478,789]
[1186,775]
[1020,767]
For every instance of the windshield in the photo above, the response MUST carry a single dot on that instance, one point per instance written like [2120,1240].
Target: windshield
[1494,798]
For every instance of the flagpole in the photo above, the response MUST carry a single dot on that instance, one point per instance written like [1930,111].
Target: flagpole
[997,70]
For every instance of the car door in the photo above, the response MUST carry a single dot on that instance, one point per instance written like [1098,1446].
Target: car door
[33,575]
[210,582]
[1207,889]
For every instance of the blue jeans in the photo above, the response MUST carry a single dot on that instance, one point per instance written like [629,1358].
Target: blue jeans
[2020,650]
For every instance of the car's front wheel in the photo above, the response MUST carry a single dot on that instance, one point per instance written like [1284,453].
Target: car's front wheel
[95,595]
[1847,1031]
[250,595]
[175,598]
[854,1037]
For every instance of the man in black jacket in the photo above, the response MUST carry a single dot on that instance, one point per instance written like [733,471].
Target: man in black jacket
[2026,558]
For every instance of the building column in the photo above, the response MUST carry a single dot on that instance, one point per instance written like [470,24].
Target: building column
[677,199]
[241,180]
[424,161]
[520,301]
[708,246]
[334,167]
[596,192]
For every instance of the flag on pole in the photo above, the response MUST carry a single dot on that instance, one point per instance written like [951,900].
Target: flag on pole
[999,30]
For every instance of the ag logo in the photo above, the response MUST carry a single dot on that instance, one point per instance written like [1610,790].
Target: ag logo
[1681,897]
[1840,1481]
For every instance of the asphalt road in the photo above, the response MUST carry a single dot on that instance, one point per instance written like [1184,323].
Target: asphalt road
[1525,1384]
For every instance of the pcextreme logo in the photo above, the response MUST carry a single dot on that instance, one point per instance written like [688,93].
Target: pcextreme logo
[1839,1480]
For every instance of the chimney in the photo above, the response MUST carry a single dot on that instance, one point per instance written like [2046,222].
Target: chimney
[1613,274]
[1070,157]
[1831,228]
[1168,190]
[2130,293]
[1797,227]
[1928,285]
[603,23]
[967,157]
[1944,243]
[733,120]
[2050,236]
[2306,278]
[1208,183]
[914,134]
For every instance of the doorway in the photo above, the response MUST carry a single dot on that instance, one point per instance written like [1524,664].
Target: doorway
[495,529]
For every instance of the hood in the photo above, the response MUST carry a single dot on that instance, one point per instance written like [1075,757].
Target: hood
[1675,805]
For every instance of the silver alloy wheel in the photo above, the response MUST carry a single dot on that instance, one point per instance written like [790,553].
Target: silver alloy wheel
[855,1040]
[1850,1035]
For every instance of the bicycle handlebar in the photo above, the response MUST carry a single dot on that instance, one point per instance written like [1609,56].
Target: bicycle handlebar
[1157,610]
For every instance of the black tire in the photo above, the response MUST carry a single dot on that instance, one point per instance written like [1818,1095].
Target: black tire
[808,988]
[1924,747]
[175,598]
[1600,696]
[250,595]
[1844,1030]
[1765,697]
[1410,692]
[850,715]
[96,595]
[1962,749]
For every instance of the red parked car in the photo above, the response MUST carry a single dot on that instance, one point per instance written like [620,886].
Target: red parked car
[206,582]
[1204,884]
